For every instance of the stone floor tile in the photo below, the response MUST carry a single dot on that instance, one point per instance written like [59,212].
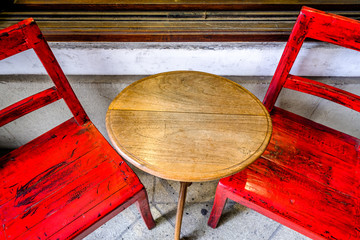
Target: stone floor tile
[285,233]
[239,222]
[114,228]
[163,230]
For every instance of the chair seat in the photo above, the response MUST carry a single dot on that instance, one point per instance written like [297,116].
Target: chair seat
[55,172]
[312,189]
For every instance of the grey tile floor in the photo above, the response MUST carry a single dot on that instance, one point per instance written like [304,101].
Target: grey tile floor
[237,221]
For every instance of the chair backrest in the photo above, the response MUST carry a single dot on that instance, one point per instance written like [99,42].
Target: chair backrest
[27,35]
[321,26]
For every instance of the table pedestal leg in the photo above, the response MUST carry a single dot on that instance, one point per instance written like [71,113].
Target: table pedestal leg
[180,208]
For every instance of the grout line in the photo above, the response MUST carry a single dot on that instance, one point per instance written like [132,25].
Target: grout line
[316,107]
[128,228]
[274,233]
[169,189]
[14,138]
[163,215]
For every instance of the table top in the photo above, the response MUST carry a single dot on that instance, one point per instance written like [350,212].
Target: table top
[188,126]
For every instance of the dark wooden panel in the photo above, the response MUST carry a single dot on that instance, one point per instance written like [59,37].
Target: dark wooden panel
[168,20]
[188,4]
[157,26]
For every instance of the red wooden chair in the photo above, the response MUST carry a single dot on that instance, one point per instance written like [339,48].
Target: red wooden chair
[309,176]
[68,181]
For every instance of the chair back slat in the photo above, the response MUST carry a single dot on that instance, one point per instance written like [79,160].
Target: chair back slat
[322,90]
[320,26]
[28,105]
[27,35]
[334,29]
[12,40]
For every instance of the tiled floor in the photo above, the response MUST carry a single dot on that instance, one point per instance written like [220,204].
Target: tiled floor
[237,222]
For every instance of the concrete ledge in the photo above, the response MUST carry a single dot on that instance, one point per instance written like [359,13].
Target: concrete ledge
[231,59]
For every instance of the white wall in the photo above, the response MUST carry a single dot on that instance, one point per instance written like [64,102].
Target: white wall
[232,59]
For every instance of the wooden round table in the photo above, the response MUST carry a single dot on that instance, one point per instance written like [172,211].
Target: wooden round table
[188,126]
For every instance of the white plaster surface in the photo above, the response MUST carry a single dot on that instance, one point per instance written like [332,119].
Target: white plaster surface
[231,59]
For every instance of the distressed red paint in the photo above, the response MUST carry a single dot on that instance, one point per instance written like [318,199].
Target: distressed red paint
[309,176]
[68,181]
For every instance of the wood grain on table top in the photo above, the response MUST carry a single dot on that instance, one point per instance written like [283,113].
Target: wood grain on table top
[188,126]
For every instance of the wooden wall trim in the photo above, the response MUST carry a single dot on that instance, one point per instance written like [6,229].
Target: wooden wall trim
[215,5]
[166,20]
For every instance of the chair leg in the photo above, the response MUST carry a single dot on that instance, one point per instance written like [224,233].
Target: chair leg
[219,204]
[144,208]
